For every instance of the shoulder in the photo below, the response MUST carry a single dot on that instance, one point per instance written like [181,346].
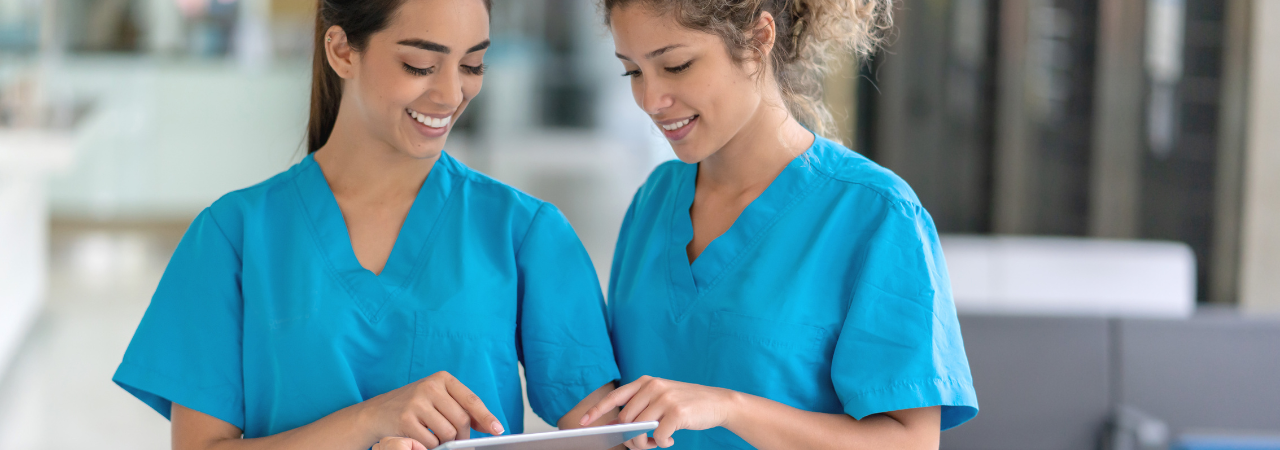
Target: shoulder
[662,181]
[485,192]
[854,174]
[234,209]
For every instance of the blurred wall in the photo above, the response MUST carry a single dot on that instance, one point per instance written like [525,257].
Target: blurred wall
[1260,243]
[166,139]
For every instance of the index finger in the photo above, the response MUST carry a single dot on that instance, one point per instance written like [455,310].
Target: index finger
[618,397]
[474,407]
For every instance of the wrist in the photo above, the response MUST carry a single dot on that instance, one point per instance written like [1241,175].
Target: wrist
[735,406]
[364,424]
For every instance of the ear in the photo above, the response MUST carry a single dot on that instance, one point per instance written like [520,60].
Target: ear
[764,34]
[342,57]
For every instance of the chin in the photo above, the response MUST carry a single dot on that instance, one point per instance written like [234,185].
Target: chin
[426,151]
[692,152]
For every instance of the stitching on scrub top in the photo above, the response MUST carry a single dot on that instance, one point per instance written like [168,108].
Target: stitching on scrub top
[213,218]
[423,256]
[763,231]
[529,229]
[948,379]
[315,238]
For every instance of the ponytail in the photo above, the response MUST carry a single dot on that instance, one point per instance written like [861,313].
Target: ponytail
[326,91]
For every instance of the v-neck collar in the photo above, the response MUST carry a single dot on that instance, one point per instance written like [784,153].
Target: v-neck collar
[372,292]
[692,281]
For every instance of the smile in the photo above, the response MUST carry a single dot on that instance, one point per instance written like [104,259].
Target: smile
[433,122]
[677,125]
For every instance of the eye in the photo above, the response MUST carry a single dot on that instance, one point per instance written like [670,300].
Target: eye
[680,68]
[419,72]
[631,73]
[475,70]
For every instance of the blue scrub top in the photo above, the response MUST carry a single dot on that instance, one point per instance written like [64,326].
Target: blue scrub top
[829,293]
[265,319]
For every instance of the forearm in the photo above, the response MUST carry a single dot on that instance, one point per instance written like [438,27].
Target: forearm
[769,425]
[345,429]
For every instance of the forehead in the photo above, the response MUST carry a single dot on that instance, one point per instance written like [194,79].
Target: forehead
[638,29]
[449,22]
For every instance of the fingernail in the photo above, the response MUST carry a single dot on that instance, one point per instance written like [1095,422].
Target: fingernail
[583,420]
[497,427]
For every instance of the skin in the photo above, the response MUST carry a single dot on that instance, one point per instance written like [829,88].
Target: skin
[743,138]
[375,161]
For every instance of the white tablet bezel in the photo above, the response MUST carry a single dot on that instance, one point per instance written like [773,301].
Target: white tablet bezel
[625,431]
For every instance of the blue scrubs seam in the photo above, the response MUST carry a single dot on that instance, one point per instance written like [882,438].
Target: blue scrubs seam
[529,229]
[422,256]
[782,212]
[328,264]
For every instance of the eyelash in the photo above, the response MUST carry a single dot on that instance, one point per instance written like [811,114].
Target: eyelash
[473,70]
[676,69]
[680,68]
[419,72]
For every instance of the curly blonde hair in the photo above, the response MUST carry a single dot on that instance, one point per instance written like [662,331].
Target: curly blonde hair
[809,33]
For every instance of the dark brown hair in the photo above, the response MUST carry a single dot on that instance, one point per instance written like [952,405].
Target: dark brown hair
[807,34]
[359,19]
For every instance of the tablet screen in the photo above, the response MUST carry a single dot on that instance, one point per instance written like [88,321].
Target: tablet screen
[592,438]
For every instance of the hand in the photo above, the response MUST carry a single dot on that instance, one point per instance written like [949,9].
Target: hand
[675,405]
[398,443]
[430,411]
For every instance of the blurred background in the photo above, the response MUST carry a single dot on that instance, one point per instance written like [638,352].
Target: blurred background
[1105,173]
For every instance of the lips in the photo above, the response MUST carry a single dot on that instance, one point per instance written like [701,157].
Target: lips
[677,129]
[430,125]
[428,120]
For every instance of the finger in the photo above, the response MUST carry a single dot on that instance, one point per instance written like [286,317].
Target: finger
[641,442]
[618,397]
[438,424]
[666,428]
[458,417]
[668,423]
[482,419]
[419,432]
[639,403]
[398,443]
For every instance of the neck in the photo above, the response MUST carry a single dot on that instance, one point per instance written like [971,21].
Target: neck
[358,165]
[757,154]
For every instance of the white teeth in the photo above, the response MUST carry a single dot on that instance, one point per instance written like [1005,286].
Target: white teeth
[677,125]
[429,121]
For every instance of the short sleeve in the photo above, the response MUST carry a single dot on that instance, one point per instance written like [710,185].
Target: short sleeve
[900,345]
[564,339]
[187,349]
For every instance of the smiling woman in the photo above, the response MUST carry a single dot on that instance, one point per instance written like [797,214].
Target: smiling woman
[379,293]
[772,289]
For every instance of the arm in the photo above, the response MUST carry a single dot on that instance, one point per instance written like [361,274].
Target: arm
[194,430]
[427,412]
[767,424]
[763,423]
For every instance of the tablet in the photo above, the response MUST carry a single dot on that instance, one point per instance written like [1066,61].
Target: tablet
[591,438]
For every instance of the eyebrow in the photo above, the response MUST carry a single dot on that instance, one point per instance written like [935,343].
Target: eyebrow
[432,46]
[653,54]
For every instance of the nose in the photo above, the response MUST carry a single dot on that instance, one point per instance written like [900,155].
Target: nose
[446,89]
[652,96]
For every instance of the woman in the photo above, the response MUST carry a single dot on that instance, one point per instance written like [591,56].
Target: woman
[379,288]
[772,287]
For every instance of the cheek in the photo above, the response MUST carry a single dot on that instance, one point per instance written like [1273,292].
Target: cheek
[471,88]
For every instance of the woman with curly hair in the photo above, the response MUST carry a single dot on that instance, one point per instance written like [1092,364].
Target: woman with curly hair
[772,288]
